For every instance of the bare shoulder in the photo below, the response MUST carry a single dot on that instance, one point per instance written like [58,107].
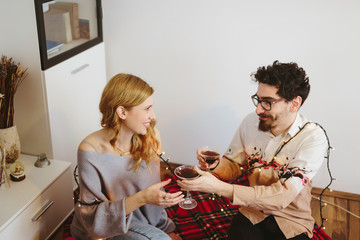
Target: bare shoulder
[93,142]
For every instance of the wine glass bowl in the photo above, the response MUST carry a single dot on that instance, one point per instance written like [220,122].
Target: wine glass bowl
[210,156]
[187,172]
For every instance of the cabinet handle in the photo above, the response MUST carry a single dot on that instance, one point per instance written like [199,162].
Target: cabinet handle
[75,71]
[42,211]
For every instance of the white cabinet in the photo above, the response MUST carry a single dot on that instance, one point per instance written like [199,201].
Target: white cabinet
[73,90]
[57,107]
[36,206]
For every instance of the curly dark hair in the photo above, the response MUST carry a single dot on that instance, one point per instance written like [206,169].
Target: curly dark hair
[290,79]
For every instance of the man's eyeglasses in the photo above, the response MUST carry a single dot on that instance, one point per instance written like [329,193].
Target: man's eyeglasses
[265,104]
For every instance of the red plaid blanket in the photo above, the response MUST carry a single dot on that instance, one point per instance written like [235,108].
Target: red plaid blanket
[212,217]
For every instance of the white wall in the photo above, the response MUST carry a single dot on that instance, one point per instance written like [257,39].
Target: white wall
[198,55]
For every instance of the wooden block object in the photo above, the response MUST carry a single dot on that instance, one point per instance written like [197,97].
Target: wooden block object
[84,28]
[73,9]
[57,26]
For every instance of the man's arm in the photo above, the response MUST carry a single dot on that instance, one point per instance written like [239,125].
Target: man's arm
[227,169]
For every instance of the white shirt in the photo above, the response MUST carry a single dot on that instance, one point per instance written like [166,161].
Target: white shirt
[282,189]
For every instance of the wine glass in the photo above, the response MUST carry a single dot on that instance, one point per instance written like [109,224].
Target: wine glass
[187,172]
[209,156]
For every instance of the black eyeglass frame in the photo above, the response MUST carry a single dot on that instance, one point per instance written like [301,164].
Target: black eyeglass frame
[256,100]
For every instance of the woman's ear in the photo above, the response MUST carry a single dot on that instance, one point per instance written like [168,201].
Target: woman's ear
[121,112]
[296,104]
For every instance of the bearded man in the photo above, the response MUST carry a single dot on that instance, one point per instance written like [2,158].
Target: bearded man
[279,150]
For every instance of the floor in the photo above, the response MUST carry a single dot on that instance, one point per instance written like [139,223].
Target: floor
[58,235]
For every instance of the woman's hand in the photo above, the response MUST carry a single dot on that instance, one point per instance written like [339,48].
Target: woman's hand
[155,196]
[174,236]
[207,183]
[204,165]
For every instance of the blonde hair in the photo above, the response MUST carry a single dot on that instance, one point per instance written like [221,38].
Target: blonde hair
[128,91]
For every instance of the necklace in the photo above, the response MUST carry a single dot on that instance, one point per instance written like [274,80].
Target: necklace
[122,153]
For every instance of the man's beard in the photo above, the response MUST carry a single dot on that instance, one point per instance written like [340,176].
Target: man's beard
[266,125]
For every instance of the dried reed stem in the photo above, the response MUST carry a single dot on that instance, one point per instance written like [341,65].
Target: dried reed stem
[11,76]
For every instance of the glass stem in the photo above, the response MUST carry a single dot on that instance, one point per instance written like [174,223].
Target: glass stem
[188,195]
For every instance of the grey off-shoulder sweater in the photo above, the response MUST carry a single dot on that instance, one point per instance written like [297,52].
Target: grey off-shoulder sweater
[105,181]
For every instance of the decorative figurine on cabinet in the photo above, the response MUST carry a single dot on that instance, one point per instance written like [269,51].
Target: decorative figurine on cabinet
[17,172]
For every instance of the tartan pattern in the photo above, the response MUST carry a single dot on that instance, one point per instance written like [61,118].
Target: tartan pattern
[206,221]
[211,218]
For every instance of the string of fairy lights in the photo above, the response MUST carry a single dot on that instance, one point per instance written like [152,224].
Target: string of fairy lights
[327,157]
[168,167]
[322,202]
[288,172]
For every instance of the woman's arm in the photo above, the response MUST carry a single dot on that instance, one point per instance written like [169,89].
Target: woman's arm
[153,195]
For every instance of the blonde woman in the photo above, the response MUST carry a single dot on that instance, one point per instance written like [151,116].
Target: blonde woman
[121,196]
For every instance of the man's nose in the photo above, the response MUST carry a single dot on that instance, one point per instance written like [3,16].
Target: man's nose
[259,109]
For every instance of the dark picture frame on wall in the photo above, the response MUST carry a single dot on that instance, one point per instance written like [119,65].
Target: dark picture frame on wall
[67,28]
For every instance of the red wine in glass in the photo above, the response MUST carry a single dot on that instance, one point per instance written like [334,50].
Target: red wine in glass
[210,156]
[187,172]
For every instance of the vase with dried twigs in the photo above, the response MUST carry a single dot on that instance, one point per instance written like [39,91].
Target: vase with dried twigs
[11,76]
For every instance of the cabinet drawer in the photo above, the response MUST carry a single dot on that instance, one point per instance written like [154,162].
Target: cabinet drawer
[43,215]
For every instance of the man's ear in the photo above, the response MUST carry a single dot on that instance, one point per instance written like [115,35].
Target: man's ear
[295,104]
[121,112]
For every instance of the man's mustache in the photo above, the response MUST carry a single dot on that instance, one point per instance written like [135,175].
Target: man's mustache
[263,115]
[266,116]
